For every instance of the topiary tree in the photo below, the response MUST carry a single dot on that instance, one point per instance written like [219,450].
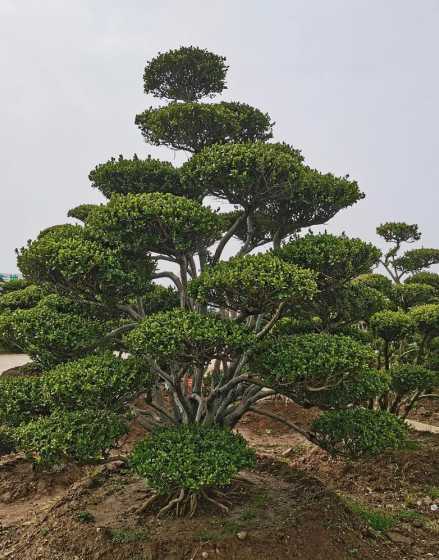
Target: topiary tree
[214,344]
[413,261]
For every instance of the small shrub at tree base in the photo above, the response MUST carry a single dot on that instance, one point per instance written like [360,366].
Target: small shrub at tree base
[191,457]
[83,436]
[359,432]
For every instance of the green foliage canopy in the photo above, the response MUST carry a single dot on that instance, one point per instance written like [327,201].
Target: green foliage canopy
[157,222]
[135,176]
[194,126]
[185,74]
[187,337]
[253,284]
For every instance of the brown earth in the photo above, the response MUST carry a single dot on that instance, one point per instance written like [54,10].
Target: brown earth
[298,503]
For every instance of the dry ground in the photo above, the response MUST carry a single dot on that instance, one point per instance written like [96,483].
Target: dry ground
[298,503]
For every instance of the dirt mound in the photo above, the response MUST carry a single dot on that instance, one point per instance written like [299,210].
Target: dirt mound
[298,503]
[277,513]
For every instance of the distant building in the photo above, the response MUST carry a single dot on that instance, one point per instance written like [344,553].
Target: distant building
[6,277]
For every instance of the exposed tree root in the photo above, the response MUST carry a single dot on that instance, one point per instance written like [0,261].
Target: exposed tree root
[175,502]
[217,503]
[144,507]
[185,503]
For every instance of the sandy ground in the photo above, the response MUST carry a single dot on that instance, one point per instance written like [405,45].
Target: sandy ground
[8,361]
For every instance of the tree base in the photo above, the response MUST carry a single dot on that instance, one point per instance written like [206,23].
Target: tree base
[184,503]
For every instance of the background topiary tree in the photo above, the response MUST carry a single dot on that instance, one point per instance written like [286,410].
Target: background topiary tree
[412,261]
[287,314]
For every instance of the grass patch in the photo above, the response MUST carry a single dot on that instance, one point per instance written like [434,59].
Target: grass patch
[382,521]
[433,492]
[124,536]
[85,517]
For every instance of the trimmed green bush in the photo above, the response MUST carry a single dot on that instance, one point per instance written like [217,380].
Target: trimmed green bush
[21,399]
[100,381]
[359,432]
[337,259]
[187,337]
[377,281]
[48,336]
[159,222]
[318,359]
[21,299]
[426,318]
[185,74]
[191,457]
[13,285]
[407,378]
[411,294]
[216,123]
[429,278]
[253,283]
[391,325]
[83,436]
[357,389]
[135,176]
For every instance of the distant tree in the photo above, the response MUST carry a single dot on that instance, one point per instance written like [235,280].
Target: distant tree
[412,261]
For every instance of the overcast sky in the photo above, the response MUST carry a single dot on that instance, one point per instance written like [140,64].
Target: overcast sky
[353,83]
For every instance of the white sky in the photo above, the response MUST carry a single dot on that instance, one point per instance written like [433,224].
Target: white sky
[353,83]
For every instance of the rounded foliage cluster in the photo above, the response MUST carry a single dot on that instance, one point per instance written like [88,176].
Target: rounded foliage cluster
[284,361]
[356,389]
[188,337]
[135,176]
[359,432]
[82,435]
[378,282]
[408,377]
[191,457]
[49,336]
[411,294]
[73,263]
[13,285]
[337,259]
[429,278]
[21,399]
[81,212]
[426,318]
[185,74]
[21,299]
[158,222]
[398,232]
[417,259]
[391,325]
[194,126]
[245,174]
[98,381]
[253,284]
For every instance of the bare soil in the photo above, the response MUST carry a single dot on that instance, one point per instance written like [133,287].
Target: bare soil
[298,503]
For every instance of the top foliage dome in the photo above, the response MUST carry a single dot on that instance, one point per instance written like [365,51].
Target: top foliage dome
[185,74]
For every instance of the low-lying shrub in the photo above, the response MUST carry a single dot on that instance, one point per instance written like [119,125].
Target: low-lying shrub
[191,458]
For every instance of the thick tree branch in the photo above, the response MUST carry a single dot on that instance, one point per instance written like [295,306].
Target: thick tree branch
[272,321]
[172,276]
[227,236]
[308,435]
